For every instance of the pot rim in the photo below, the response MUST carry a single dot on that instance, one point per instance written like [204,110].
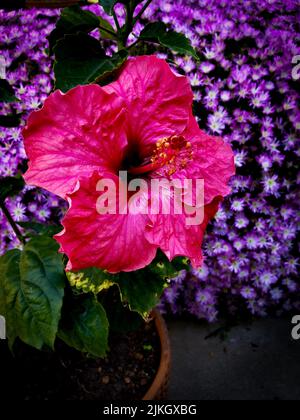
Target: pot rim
[165,358]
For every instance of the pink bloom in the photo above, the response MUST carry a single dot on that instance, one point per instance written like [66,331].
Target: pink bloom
[141,123]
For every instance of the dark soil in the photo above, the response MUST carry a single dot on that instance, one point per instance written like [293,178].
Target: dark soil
[127,373]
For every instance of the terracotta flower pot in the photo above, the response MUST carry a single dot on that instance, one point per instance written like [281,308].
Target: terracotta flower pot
[159,387]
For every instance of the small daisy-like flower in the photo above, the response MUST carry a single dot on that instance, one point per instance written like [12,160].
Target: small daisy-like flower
[43,214]
[235,266]
[248,292]
[216,124]
[18,211]
[271,185]
[291,266]
[207,67]
[290,284]
[203,297]
[237,205]
[252,241]
[201,273]
[239,244]
[265,162]
[241,221]
[276,294]
[225,95]
[266,279]
[240,158]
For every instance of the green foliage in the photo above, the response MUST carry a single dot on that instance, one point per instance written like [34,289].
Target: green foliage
[80,60]
[158,32]
[121,318]
[140,291]
[35,228]
[106,30]
[166,269]
[85,327]
[6,92]
[91,280]
[31,292]
[72,20]
[108,5]
[11,186]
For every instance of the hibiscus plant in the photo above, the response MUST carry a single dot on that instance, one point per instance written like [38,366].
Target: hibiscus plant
[111,116]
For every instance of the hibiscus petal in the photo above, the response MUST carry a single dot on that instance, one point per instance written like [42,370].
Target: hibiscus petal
[72,135]
[158,101]
[113,242]
[213,161]
[175,238]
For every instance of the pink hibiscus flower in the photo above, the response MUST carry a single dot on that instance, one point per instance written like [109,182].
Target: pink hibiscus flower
[143,124]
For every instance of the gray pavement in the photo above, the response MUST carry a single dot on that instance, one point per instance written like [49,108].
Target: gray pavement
[258,361]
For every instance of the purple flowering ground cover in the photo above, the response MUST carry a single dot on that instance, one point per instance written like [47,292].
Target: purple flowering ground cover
[244,92]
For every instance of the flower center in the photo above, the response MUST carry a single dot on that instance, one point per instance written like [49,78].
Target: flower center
[170,155]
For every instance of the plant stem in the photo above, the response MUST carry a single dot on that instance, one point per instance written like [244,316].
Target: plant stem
[142,12]
[116,21]
[107,31]
[12,222]
[134,44]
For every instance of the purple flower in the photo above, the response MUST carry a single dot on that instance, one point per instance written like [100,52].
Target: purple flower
[248,292]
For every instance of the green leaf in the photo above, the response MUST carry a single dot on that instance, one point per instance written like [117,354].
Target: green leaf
[90,280]
[11,186]
[141,290]
[72,20]
[86,328]
[158,32]
[6,92]
[106,29]
[166,269]
[153,30]
[10,296]
[108,5]
[80,60]
[121,319]
[32,288]
[179,43]
[41,229]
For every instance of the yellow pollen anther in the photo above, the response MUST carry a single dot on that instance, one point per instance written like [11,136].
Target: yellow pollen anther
[171,154]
